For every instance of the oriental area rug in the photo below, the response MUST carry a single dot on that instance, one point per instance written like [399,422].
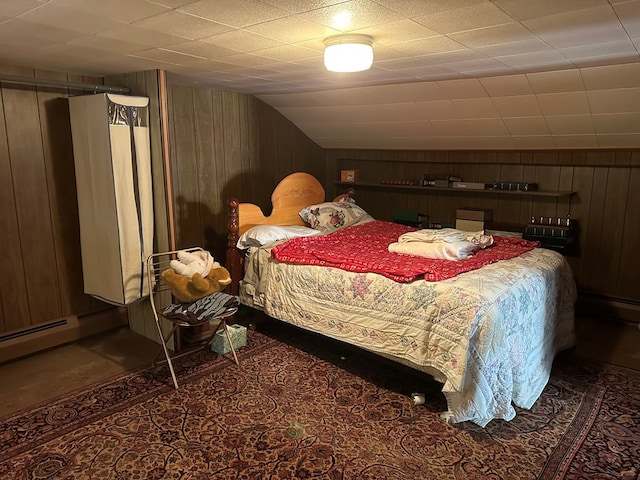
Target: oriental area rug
[303,407]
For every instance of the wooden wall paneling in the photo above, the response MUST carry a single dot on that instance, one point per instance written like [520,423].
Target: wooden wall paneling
[628,278]
[547,178]
[24,138]
[252,162]
[565,182]
[233,111]
[61,187]
[205,200]
[609,259]
[594,228]
[488,173]
[582,183]
[509,207]
[184,172]
[13,295]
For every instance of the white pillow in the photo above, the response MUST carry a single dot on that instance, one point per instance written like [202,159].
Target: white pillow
[264,234]
[331,216]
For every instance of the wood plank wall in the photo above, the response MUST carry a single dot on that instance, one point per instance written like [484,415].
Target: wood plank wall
[38,205]
[606,204]
[226,145]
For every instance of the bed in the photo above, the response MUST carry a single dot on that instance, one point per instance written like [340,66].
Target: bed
[489,335]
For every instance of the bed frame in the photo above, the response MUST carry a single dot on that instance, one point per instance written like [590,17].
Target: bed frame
[292,194]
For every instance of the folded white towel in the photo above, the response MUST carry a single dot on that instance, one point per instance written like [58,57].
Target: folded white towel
[445,243]
[439,250]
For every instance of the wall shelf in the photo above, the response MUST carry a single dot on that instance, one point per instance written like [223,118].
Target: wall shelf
[468,191]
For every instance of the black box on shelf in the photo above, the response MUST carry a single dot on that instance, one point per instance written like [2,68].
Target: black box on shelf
[412,219]
[518,186]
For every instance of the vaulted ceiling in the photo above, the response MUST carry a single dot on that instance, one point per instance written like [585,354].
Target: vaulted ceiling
[447,74]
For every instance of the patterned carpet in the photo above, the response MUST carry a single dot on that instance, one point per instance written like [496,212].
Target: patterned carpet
[300,407]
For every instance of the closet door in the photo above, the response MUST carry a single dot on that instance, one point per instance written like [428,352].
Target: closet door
[115,201]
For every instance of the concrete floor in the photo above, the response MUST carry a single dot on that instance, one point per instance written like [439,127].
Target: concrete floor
[31,380]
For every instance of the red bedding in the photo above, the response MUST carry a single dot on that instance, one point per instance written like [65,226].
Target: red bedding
[364,248]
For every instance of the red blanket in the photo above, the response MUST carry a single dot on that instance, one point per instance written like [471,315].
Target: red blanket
[364,248]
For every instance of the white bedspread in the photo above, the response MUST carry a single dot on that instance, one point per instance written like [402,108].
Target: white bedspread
[489,335]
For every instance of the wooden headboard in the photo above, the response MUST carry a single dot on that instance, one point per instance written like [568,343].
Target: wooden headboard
[292,194]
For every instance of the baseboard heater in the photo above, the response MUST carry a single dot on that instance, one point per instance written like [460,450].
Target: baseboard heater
[616,308]
[26,341]
[36,329]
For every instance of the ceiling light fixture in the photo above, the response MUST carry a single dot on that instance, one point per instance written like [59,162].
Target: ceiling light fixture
[348,53]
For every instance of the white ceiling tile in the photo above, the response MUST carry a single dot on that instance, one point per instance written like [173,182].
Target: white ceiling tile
[245,13]
[507,85]
[130,33]
[416,8]
[17,33]
[453,128]
[518,106]
[242,41]
[610,51]
[352,15]
[575,141]
[533,142]
[612,76]
[619,141]
[617,123]
[628,14]
[537,61]
[491,63]
[183,25]
[487,126]
[464,88]
[201,49]
[565,103]
[293,30]
[478,67]
[623,100]
[120,10]
[465,18]
[426,46]
[471,108]
[526,125]
[168,56]
[570,124]
[14,8]
[107,44]
[74,20]
[437,110]
[515,48]
[520,10]
[397,32]
[580,27]
[494,35]
[556,82]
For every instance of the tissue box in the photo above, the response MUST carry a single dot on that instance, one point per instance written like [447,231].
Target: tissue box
[220,344]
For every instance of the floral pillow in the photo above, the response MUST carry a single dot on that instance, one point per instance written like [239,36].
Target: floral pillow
[331,216]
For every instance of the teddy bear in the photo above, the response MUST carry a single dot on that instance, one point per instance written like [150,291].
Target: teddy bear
[189,263]
[189,290]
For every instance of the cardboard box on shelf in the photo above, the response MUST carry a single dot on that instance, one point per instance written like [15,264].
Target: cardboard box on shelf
[473,213]
[469,225]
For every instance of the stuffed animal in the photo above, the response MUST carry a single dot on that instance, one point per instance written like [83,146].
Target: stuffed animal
[191,289]
[189,263]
